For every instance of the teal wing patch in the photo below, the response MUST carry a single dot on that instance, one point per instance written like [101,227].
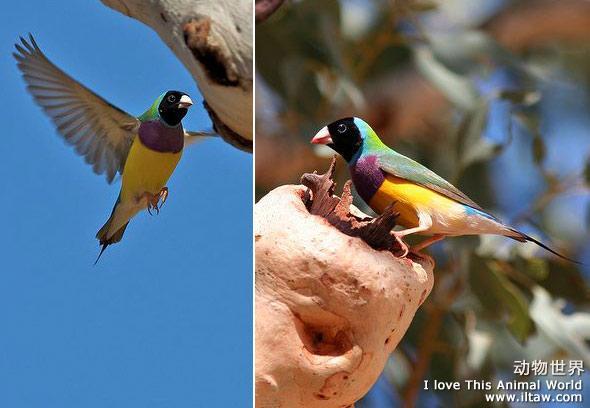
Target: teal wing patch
[403,167]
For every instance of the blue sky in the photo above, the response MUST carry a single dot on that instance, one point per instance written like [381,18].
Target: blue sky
[164,320]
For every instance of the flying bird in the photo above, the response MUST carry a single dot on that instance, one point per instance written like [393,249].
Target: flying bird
[144,150]
[427,204]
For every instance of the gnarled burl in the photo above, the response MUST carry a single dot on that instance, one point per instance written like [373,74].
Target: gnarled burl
[332,299]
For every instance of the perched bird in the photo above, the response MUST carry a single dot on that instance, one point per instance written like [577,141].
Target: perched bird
[427,204]
[144,150]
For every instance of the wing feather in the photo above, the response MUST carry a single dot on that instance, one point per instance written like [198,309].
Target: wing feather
[99,131]
[191,137]
[403,167]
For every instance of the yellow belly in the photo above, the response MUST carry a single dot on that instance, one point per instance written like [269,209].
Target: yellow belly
[409,199]
[146,170]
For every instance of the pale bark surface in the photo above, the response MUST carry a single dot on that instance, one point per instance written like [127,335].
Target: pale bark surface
[213,39]
[329,308]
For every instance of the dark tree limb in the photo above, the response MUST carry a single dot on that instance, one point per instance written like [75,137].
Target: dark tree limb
[227,133]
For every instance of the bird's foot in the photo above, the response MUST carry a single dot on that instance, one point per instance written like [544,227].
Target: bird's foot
[163,196]
[151,201]
[153,205]
[427,242]
[404,248]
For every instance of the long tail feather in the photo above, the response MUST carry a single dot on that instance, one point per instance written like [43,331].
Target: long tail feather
[116,237]
[104,246]
[521,237]
[102,234]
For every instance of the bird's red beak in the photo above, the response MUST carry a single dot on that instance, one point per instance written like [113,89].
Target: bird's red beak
[322,137]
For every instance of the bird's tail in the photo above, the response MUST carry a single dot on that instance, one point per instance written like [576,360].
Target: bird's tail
[522,237]
[104,241]
[103,234]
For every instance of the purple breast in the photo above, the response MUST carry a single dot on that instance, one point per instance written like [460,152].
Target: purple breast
[366,176]
[161,138]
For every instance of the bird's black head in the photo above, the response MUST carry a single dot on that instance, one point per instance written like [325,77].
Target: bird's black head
[343,136]
[173,107]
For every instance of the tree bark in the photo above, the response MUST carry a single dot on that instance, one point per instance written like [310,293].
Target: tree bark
[213,39]
[329,307]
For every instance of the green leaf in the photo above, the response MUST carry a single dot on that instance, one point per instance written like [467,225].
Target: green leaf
[520,323]
[471,127]
[456,88]
[537,268]
[481,151]
[500,296]
[464,50]
[299,41]
[422,6]
[521,97]
[568,332]
[530,122]
[564,280]
[539,149]
[471,146]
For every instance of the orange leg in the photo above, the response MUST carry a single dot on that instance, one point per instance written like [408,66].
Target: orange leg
[427,242]
[151,201]
[404,247]
[424,223]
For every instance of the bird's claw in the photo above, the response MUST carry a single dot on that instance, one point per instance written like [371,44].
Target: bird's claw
[405,249]
[153,200]
[151,207]
[153,204]
[163,196]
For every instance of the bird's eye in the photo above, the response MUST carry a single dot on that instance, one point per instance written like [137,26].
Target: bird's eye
[341,128]
[171,98]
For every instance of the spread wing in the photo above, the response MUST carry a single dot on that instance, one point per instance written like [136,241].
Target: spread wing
[403,167]
[99,131]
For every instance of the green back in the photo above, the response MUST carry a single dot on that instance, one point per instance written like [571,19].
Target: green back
[398,165]
[152,112]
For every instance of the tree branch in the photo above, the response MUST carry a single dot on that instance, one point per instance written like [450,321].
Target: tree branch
[213,39]
[329,307]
